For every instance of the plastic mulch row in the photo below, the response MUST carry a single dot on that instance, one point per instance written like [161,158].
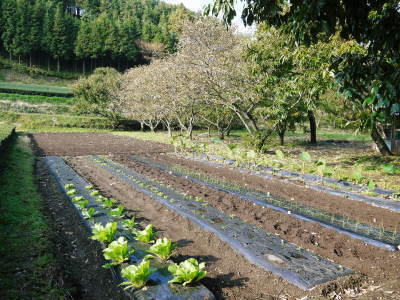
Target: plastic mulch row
[345,189]
[369,234]
[264,249]
[159,288]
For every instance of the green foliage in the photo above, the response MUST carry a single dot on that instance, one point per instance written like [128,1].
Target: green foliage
[389,169]
[129,224]
[117,212]
[71,192]
[5,131]
[279,154]
[77,199]
[106,233]
[117,251]
[69,186]
[187,272]
[89,187]
[83,204]
[163,248]
[33,89]
[137,276]
[94,193]
[88,213]
[146,235]
[357,175]
[371,185]
[305,156]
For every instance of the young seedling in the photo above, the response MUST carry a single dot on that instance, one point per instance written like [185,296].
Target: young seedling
[77,199]
[118,252]
[106,233]
[71,192]
[88,213]
[89,187]
[83,204]
[108,203]
[94,193]
[187,272]
[117,212]
[357,175]
[129,224]
[371,185]
[69,186]
[137,276]
[163,248]
[306,158]
[145,235]
[101,199]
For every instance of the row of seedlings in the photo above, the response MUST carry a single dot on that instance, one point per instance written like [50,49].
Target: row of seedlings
[264,249]
[118,252]
[370,234]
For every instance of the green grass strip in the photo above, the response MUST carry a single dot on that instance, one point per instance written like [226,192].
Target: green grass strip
[26,253]
[36,99]
[5,131]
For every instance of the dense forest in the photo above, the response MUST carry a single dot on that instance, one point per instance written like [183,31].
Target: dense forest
[84,34]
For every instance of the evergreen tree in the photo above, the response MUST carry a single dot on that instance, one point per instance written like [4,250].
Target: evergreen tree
[9,13]
[21,43]
[59,42]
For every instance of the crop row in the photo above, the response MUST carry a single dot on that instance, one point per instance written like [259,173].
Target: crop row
[370,234]
[34,89]
[136,252]
[260,247]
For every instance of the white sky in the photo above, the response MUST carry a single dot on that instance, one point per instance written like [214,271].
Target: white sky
[198,5]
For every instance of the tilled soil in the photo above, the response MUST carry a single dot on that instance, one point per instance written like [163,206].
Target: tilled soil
[61,144]
[355,210]
[230,276]
[80,257]
[378,264]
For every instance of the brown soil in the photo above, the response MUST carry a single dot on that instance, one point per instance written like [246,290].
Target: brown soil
[356,210]
[80,257]
[91,143]
[230,276]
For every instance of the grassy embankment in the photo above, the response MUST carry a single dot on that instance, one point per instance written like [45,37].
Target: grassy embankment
[29,265]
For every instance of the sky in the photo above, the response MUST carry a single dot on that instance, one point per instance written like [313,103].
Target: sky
[198,5]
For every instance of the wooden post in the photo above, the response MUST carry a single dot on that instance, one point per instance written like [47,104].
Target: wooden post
[395,142]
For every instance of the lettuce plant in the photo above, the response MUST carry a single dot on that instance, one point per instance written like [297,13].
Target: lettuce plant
[83,204]
[104,234]
[145,235]
[187,272]
[108,203]
[137,276]
[89,187]
[88,213]
[69,186]
[101,199]
[71,192]
[129,224]
[163,248]
[77,199]
[117,212]
[94,193]
[117,251]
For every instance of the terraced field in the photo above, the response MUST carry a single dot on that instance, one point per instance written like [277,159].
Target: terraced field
[260,237]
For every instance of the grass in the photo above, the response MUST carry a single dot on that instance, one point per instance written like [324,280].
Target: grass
[30,87]
[36,99]
[27,121]
[5,131]
[28,263]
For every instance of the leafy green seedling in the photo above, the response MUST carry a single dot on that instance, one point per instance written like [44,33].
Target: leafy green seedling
[129,224]
[117,212]
[108,203]
[69,186]
[163,248]
[71,192]
[117,251]
[101,199]
[137,276]
[357,175]
[145,235]
[104,234]
[389,169]
[94,193]
[89,187]
[371,185]
[187,272]
[305,156]
[279,154]
[77,199]
[83,204]
[88,213]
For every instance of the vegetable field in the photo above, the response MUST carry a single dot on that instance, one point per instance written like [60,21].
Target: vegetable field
[166,224]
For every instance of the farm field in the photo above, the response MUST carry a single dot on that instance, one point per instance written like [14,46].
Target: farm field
[202,205]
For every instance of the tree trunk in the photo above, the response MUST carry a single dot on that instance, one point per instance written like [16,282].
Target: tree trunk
[141,126]
[209,131]
[393,138]
[83,67]
[379,141]
[282,137]
[313,127]
[48,64]
[30,60]
[58,64]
